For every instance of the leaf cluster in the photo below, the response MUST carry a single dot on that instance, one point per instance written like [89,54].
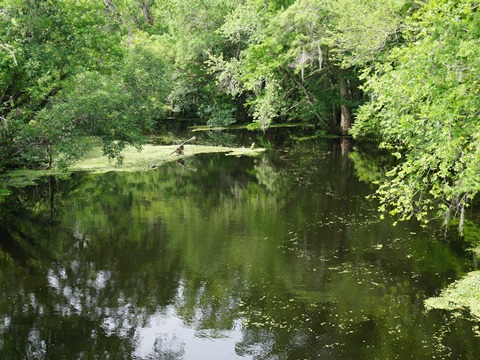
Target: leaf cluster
[425,101]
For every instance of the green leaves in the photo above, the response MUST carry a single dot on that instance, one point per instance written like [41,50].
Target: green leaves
[274,49]
[119,108]
[360,30]
[73,76]
[308,49]
[68,70]
[425,104]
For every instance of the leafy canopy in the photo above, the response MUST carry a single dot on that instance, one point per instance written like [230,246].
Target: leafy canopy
[425,101]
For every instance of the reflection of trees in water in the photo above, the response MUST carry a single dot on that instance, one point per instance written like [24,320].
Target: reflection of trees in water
[168,347]
[215,247]
[258,343]
[371,164]
[26,219]
[269,176]
[75,292]
[115,286]
[78,306]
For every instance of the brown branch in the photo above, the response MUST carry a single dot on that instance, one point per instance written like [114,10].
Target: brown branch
[179,148]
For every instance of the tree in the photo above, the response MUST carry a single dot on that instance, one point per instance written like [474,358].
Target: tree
[276,51]
[358,34]
[120,108]
[67,73]
[360,31]
[48,43]
[191,33]
[299,61]
[425,101]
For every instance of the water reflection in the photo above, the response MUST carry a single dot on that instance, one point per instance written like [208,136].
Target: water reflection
[166,336]
[279,257]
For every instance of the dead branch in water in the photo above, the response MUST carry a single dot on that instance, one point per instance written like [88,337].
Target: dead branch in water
[179,149]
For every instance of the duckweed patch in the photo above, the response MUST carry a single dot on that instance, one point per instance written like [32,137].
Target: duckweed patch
[462,294]
[151,156]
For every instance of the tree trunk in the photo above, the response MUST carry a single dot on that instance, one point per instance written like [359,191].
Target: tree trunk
[346,146]
[345,113]
[462,219]
[146,12]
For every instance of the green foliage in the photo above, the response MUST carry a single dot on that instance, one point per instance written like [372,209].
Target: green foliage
[147,75]
[243,26]
[119,108]
[192,35]
[48,42]
[217,114]
[425,108]
[111,69]
[270,55]
[95,105]
[287,60]
[266,105]
[145,59]
[361,30]
[78,79]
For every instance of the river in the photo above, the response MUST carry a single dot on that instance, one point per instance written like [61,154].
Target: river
[281,256]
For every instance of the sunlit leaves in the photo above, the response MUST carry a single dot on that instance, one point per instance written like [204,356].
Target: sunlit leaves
[73,76]
[300,47]
[360,30]
[243,26]
[51,41]
[425,103]
[275,49]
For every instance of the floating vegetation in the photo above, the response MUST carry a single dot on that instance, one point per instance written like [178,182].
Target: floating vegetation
[151,156]
[148,158]
[244,151]
[245,127]
[462,294]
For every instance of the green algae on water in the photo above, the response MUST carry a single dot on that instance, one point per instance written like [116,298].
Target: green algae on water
[151,156]
[462,294]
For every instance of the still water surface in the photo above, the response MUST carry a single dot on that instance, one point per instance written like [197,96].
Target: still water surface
[277,257]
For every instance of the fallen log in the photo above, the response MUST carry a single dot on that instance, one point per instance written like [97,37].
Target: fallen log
[179,149]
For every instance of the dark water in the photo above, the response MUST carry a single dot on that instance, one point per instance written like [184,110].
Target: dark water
[278,257]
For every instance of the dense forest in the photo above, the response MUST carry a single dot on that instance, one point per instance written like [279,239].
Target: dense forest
[404,74]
